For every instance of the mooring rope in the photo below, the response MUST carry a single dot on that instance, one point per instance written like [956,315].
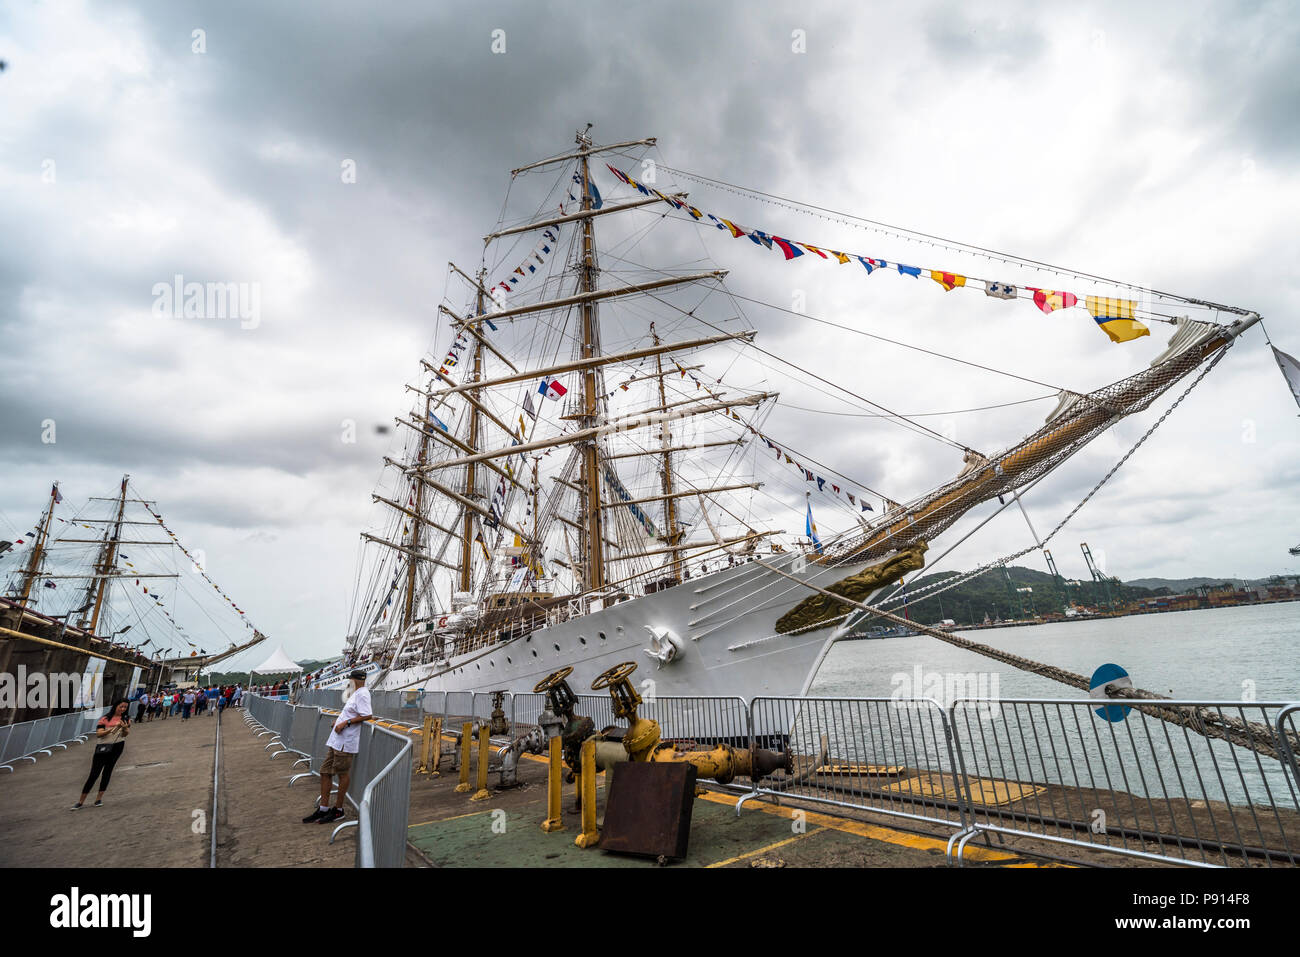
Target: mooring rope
[1257,737]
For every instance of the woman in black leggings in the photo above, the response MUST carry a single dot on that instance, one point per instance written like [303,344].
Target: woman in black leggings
[110,736]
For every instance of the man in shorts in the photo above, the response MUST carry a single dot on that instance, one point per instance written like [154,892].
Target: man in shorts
[343,743]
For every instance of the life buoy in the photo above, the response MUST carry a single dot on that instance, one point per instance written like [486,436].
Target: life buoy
[442,622]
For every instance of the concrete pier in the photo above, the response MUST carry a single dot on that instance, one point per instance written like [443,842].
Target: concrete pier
[158,806]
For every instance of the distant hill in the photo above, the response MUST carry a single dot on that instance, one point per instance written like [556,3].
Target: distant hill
[1183,585]
[990,594]
[230,677]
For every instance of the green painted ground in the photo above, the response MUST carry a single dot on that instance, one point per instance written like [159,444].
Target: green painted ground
[518,840]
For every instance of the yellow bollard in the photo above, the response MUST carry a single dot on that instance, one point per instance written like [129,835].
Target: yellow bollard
[436,734]
[465,732]
[554,785]
[426,745]
[484,741]
[589,837]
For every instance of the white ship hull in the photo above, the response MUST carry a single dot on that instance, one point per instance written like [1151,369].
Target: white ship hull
[724,622]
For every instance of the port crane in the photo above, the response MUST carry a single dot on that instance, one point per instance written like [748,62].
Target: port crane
[1097,575]
[1061,583]
[1015,594]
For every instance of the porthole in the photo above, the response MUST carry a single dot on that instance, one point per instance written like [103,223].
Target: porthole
[582,639]
[557,647]
[602,636]
[508,661]
[534,652]
[492,663]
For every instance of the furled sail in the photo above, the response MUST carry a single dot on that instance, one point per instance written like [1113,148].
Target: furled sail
[1076,421]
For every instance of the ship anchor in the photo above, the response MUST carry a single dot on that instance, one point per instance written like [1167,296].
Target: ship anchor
[664,645]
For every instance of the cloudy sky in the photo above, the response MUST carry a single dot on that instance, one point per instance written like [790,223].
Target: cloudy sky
[1159,146]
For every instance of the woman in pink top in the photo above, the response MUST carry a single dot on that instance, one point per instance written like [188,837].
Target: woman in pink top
[110,736]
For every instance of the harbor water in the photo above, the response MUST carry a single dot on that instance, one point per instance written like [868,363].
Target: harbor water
[1242,654]
[1222,654]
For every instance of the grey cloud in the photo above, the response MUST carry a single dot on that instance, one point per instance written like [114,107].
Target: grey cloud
[259,125]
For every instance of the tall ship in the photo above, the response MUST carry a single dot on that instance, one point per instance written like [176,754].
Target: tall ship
[101,599]
[585,474]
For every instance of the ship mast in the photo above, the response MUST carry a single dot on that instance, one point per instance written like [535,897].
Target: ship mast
[593,565]
[471,471]
[665,441]
[408,606]
[38,548]
[108,557]
[591,569]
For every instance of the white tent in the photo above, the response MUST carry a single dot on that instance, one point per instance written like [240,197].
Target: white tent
[279,663]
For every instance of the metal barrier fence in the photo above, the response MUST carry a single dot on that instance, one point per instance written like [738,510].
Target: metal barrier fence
[1064,771]
[396,705]
[433,702]
[526,707]
[878,754]
[458,704]
[23,741]
[385,802]
[482,704]
[698,719]
[1286,733]
[302,730]
[1048,769]
[320,698]
[379,781]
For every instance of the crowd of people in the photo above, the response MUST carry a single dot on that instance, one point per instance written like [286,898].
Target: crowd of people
[186,702]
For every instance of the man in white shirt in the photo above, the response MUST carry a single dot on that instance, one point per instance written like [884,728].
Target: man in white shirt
[343,743]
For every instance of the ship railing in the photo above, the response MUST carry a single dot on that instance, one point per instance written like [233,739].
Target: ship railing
[27,739]
[1117,778]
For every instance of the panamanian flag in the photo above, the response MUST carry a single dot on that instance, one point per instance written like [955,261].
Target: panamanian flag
[551,388]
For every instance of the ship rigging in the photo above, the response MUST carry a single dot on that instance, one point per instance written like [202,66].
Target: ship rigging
[589,461]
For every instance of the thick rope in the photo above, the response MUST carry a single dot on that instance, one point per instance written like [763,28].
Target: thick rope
[1255,736]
